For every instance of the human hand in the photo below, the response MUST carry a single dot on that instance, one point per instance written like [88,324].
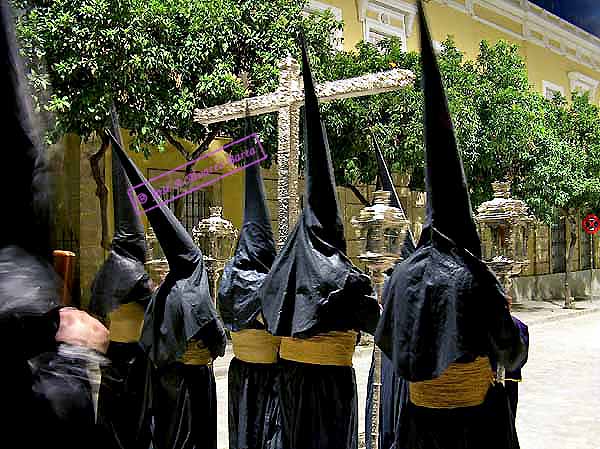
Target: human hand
[76,327]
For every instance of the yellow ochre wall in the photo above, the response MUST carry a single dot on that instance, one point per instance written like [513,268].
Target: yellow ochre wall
[542,63]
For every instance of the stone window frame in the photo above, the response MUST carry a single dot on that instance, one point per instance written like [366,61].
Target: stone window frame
[548,86]
[578,82]
[375,30]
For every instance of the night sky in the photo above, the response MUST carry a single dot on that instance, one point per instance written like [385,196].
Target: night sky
[583,13]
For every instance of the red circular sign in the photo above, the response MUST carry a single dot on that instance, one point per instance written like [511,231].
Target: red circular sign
[591,224]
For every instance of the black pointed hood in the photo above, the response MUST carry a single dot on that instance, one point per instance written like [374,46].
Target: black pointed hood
[129,230]
[28,283]
[122,278]
[386,183]
[313,287]
[443,304]
[322,211]
[253,257]
[181,308]
[448,203]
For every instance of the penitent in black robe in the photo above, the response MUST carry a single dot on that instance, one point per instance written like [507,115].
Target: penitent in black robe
[254,412]
[394,389]
[313,288]
[42,393]
[124,396]
[442,304]
[181,314]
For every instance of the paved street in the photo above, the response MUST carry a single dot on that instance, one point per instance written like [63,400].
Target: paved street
[559,406]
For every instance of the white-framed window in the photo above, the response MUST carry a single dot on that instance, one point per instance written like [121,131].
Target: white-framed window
[387,18]
[583,83]
[550,89]
[337,39]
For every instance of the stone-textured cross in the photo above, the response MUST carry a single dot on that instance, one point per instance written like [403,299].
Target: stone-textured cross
[287,100]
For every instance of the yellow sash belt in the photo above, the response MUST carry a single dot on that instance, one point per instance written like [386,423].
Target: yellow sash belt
[255,346]
[196,354]
[126,323]
[332,348]
[461,385]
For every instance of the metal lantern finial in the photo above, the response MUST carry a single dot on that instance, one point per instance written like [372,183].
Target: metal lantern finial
[216,237]
[504,224]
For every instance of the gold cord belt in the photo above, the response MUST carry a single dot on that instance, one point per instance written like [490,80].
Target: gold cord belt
[461,385]
[196,354]
[332,348]
[126,323]
[255,346]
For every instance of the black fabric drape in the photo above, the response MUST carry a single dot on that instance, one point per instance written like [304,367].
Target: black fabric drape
[442,304]
[254,411]
[181,308]
[319,406]
[124,398]
[24,335]
[184,407]
[393,397]
[490,425]
[62,398]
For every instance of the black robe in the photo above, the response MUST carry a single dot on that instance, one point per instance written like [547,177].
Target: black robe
[38,385]
[254,409]
[124,398]
[313,288]
[184,406]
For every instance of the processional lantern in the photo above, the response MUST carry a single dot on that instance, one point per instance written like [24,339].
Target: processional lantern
[216,237]
[157,265]
[381,230]
[504,224]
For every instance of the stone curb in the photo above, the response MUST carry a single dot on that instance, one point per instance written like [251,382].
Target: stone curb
[561,316]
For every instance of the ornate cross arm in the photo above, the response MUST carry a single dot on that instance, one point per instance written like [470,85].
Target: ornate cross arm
[373,83]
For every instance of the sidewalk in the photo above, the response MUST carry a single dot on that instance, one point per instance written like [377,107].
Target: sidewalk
[537,312]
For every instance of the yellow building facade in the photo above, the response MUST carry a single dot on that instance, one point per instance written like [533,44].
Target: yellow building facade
[559,56]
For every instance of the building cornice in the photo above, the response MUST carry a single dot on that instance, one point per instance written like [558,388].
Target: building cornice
[538,26]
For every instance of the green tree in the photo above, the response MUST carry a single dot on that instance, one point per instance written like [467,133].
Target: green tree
[549,150]
[157,61]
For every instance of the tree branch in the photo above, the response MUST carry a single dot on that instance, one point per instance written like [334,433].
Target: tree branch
[357,194]
[178,145]
[101,190]
[205,143]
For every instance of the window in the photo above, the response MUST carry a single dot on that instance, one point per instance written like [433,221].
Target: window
[386,18]
[192,207]
[582,83]
[337,39]
[551,89]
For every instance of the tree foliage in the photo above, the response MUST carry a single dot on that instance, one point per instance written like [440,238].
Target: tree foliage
[159,60]
[548,149]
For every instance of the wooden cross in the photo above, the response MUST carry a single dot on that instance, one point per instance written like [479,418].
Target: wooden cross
[287,100]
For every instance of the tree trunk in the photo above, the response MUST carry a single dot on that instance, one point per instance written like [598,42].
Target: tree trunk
[101,191]
[573,233]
